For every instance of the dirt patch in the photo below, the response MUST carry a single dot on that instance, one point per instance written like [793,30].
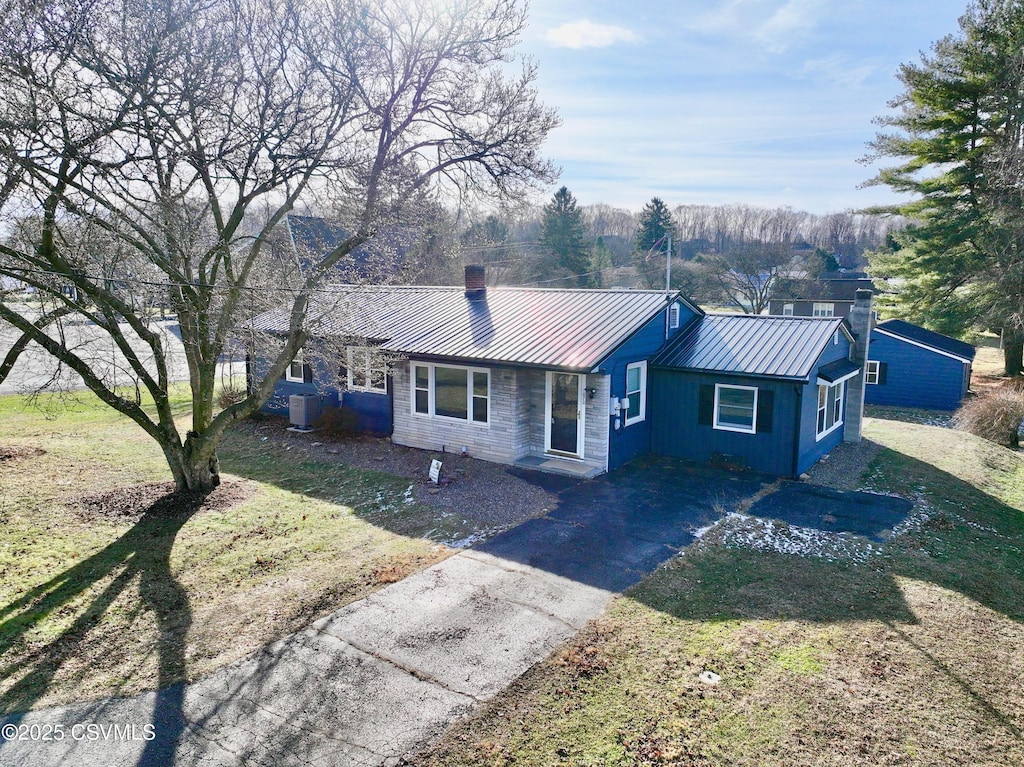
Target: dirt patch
[484,494]
[10,453]
[158,499]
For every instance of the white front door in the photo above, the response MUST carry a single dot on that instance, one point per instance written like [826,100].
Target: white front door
[564,407]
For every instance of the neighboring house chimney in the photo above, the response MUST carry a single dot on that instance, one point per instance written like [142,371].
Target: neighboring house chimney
[476,282]
[861,321]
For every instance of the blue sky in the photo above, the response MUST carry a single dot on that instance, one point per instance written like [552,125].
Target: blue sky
[766,102]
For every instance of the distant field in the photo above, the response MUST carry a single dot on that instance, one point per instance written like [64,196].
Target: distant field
[909,657]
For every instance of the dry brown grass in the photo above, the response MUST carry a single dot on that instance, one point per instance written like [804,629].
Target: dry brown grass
[994,414]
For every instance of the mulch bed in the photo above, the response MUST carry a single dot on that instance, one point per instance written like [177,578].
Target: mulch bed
[158,499]
[10,453]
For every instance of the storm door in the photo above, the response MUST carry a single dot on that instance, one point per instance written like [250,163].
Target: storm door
[563,407]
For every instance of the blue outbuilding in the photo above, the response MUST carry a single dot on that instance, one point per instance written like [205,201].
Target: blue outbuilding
[911,366]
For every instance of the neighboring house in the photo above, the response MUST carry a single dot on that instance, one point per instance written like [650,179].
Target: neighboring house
[549,378]
[578,381]
[763,392]
[910,366]
[312,237]
[816,298]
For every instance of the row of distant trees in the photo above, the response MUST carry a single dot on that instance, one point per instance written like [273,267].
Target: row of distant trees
[564,243]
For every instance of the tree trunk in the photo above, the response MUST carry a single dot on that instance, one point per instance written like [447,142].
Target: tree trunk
[194,466]
[1013,352]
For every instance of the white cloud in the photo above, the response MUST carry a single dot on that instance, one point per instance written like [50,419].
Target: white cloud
[585,33]
[840,70]
[773,26]
[789,23]
[731,16]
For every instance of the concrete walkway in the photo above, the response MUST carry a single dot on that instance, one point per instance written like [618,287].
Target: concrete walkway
[360,687]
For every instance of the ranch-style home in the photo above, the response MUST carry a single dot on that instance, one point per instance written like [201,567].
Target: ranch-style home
[579,381]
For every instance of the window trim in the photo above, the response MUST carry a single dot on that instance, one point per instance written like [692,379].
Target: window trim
[837,409]
[642,416]
[300,360]
[368,351]
[733,427]
[872,370]
[431,393]
[787,310]
[823,309]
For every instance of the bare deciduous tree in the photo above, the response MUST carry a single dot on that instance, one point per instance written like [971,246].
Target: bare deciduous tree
[150,151]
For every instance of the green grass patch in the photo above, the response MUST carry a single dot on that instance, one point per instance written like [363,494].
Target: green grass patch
[97,604]
[912,658]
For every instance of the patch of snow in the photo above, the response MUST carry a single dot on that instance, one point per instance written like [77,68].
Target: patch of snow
[744,531]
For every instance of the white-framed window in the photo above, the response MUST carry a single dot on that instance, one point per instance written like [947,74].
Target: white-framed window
[787,310]
[636,392]
[452,392]
[736,408]
[294,372]
[823,310]
[673,316]
[871,372]
[367,370]
[830,408]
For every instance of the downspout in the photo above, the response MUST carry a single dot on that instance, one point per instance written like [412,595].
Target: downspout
[796,428]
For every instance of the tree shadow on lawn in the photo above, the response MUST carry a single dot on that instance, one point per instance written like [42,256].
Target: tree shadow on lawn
[967,542]
[141,555]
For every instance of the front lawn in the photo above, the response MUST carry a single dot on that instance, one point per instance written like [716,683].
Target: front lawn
[737,656]
[104,593]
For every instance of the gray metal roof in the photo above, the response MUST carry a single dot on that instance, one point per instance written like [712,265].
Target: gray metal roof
[759,345]
[562,328]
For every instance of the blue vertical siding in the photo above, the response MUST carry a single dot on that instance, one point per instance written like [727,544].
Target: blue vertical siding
[811,449]
[915,377]
[677,432]
[629,442]
[788,449]
[373,412]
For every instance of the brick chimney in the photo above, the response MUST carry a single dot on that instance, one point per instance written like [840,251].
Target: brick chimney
[861,322]
[476,282]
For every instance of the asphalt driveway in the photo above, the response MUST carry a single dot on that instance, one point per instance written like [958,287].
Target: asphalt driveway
[612,531]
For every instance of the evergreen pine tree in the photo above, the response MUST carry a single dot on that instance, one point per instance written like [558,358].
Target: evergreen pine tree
[563,236]
[957,135]
[651,239]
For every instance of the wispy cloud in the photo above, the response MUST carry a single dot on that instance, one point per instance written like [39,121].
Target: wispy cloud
[841,71]
[585,33]
[774,26]
[790,23]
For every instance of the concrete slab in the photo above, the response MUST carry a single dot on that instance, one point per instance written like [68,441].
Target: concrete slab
[310,699]
[468,624]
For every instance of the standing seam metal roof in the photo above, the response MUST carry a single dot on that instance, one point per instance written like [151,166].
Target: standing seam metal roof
[927,337]
[564,328]
[783,347]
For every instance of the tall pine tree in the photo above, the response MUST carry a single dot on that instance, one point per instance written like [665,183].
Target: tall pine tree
[651,242]
[957,134]
[563,236]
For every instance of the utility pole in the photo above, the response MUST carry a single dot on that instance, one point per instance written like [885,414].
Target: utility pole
[668,266]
